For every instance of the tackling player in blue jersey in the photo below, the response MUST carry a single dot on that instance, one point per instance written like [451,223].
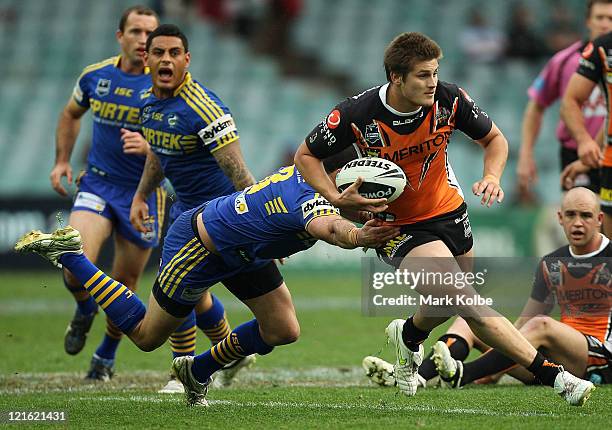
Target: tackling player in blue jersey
[195,145]
[111,89]
[230,239]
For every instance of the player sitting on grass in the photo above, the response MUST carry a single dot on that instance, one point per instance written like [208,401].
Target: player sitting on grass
[578,276]
[230,239]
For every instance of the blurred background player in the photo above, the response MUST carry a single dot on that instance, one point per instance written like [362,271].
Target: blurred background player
[112,89]
[548,88]
[195,145]
[577,276]
[410,120]
[230,239]
[592,70]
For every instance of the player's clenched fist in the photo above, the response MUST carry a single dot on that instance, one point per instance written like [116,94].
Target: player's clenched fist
[139,214]
[133,142]
[490,190]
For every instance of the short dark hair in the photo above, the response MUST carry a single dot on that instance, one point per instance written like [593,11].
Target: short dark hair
[590,4]
[406,50]
[138,10]
[167,30]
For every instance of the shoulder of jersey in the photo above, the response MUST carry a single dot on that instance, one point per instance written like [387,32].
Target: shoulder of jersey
[109,62]
[446,92]
[559,252]
[200,100]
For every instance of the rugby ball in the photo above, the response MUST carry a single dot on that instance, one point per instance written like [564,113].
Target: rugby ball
[381,178]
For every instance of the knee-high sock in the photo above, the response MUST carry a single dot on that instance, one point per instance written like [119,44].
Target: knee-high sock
[121,305]
[183,340]
[110,342]
[86,306]
[493,362]
[213,322]
[458,348]
[242,341]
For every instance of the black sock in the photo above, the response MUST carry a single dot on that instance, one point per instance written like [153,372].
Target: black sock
[413,336]
[458,348]
[545,371]
[489,363]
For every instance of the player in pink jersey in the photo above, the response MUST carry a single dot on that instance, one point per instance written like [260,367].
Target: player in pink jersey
[550,86]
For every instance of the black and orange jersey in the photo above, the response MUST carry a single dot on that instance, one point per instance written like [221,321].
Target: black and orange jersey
[581,285]
[416,141]
[596,65]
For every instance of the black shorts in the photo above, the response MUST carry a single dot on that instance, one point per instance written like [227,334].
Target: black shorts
[599,361]
[590,180]
[452,228]
[605,192]
[243,285]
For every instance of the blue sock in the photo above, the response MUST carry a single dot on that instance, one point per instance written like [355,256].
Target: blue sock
[85,307]
[108,347]
[244,340]
[183,340]
[213,322]
[121,305]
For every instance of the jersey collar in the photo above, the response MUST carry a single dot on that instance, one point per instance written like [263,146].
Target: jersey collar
[604,242]
[118,62]
[382,93]
[185,82]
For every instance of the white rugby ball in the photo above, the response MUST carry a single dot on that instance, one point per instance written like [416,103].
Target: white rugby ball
[381,178]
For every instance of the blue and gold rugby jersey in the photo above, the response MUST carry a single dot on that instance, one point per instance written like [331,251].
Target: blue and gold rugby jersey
[114,99]
[266,220]
[184,131]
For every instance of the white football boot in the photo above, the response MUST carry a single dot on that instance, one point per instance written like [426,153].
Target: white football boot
[378,371]
[173,386]
[574,390]
[51,246]
[195,391]
[449,369]
[225,376]
[407,362]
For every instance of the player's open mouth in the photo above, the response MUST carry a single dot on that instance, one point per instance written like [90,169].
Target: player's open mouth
[165,74]
[577,234]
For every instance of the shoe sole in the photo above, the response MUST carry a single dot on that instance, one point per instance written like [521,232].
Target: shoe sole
[438,359]
[375,365]
[586,395]
[35,236]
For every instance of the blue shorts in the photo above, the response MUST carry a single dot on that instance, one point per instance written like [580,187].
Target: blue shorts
[188,269]
[113,201]
[176,209]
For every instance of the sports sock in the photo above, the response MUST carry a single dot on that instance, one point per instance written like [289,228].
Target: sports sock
[121,305]
[545,371]
[85,306]
[213,322]
[110,342]
[489,363]
[412,335]
[243,340]
[183,340]
[458,348]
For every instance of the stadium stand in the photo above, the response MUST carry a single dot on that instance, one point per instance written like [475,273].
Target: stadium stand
[273,112]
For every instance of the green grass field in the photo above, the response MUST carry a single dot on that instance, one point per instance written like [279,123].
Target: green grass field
[314,383]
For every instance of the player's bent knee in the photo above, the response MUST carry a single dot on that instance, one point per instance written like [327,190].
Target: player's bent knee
[282,335]
[539,325]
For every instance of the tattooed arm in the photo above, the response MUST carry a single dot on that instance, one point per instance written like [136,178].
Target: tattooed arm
[151,177]
[232,163]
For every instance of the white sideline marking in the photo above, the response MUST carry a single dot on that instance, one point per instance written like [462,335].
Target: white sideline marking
[316,405]
[13,307]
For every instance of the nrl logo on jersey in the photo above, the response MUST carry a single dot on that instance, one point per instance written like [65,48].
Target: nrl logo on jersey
[146,114]
[172,119]
[372,134]
[103,87]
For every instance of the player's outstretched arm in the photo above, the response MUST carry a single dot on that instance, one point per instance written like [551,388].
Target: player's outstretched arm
[312,170]
[232,163]
[68,127]
[526,169]
[340,232]
[495,156]
[578,91]
[152,175]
